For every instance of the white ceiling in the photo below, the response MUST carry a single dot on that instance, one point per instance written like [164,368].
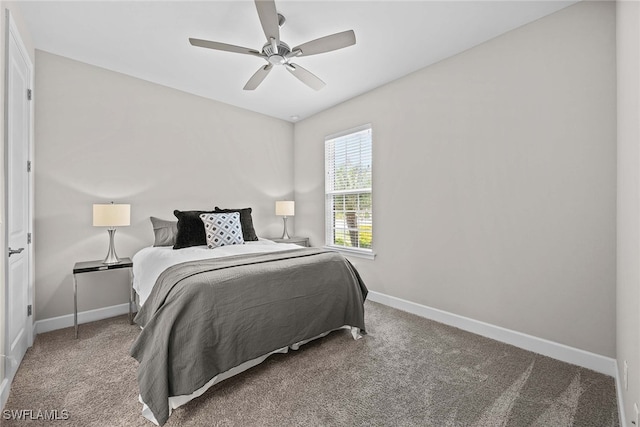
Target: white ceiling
[149,40]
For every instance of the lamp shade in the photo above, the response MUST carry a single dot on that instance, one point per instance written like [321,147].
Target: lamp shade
[111,215]
[285,208]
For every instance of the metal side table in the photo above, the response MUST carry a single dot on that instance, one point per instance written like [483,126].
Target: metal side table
[300,241]
[92,266]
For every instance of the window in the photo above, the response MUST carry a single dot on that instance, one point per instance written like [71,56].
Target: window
[348,213]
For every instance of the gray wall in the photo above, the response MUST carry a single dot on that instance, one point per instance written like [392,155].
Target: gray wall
[628,290]
[494,176]
[103,136]
[494,180]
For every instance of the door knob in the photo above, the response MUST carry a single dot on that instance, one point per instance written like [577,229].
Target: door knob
[15,251]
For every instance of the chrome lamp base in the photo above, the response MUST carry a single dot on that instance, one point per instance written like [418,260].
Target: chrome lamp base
[112,257]
[285,233]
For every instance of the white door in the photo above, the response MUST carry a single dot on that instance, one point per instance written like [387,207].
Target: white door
[18,133]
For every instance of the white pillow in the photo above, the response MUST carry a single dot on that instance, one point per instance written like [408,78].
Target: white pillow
[222,229]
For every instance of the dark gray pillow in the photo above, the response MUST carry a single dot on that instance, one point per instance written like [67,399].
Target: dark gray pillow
[190,229]
[246,221]
[164,231]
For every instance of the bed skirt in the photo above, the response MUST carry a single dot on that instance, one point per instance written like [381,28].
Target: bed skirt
[177,401]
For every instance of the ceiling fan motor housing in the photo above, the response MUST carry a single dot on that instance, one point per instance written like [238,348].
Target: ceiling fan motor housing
[276,58]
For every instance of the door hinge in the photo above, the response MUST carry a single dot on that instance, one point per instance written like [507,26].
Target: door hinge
[29,94]
[28,165]
[29,310]
[28,237]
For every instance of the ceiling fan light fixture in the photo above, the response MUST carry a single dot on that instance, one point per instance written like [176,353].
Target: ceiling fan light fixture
[277,60]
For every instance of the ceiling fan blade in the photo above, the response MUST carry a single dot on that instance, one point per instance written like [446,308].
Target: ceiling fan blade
[305,76]
[269,19]
[327,44]
[224,47]
[258,77]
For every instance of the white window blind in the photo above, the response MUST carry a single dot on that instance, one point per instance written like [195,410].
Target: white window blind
[348,195]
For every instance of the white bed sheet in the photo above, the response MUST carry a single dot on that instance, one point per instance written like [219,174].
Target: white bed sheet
[149,263]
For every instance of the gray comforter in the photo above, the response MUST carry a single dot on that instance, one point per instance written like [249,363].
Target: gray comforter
[205,317]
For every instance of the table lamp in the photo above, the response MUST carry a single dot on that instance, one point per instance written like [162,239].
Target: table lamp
[111,216]
[285,208]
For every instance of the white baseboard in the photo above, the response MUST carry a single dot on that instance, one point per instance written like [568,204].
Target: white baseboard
[595,362]
[54,323]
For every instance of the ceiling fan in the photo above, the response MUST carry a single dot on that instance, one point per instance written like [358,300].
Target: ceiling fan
[277,52]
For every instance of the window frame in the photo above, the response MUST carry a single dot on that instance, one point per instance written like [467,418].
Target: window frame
[329,210]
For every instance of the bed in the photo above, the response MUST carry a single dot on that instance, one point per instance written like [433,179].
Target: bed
[208,314]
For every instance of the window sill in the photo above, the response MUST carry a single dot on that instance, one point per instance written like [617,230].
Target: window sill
[351,252]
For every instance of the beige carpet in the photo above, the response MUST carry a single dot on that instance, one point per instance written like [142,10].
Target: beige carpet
[408,371]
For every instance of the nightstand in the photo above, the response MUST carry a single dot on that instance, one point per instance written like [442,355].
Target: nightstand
[300,241]
[92,266]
